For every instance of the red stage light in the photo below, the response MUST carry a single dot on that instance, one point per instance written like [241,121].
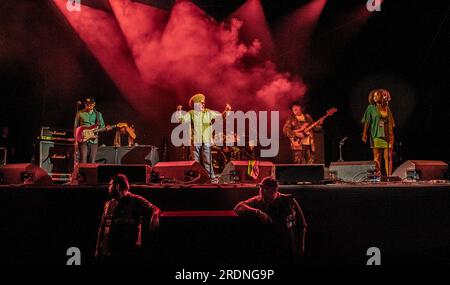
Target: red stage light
[295,33]
[102,35]
[255,26]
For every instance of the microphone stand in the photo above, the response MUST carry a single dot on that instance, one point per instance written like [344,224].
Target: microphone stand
[341,143]
[74,176]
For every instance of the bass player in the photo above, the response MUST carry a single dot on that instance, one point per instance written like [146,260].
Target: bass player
[302,144]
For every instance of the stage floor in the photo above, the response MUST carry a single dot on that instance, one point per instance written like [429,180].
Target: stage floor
[409,222]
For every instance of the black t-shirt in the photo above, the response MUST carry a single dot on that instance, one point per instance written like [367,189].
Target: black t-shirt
[123,222]
[287,217]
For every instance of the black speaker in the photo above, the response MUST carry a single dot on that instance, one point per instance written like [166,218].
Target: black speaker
[351,171]
[422,170]
[106,155]
[179,170]
[24,173]
[238,171]
[93,174]
[56,158]
[299,173]
[142,154]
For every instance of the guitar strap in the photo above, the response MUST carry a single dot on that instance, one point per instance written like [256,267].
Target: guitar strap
[97,120]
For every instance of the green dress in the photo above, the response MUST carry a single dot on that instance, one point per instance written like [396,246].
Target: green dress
[379,126]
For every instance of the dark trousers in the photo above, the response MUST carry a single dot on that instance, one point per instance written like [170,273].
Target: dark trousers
[303,156]
[88,152]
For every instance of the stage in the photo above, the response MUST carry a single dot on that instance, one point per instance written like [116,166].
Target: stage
[408,222]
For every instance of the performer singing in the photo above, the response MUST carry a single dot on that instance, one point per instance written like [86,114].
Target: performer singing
[378,120]
[302,145]
[89,116]
[201,119]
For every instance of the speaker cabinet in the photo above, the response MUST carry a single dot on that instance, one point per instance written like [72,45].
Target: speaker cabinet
[94,174]
[299,173]
[422,170]
[142,154]
[238,171]
[351,171]
[180,169]
[106,155]
[24,173]
[56,158]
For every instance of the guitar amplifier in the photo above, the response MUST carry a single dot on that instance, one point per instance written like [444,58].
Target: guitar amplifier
[52,134]
[56,158]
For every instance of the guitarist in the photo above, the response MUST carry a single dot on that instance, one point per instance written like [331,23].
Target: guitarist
[302,144]
[89,116]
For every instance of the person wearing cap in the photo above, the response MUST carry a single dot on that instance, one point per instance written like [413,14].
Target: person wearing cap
[86,117]
[281,211]
[302,145]
[200,121]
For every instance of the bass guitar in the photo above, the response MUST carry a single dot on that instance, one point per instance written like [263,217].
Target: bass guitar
[306,128]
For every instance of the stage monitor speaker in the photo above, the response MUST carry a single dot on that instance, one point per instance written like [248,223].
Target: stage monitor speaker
[237,172]
[299,173]
[142,154]
[351,171]
[106,155]
[94,174]
[179,170]
[422,170]
[24,173]
[56,158]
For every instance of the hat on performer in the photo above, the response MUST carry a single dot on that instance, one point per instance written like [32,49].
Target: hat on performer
[89,101]
[197,98]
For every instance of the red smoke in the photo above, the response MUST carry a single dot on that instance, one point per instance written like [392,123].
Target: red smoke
[178,54]
[100,32]
[255,26]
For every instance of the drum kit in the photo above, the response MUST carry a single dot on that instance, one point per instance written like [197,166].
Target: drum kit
[222,153]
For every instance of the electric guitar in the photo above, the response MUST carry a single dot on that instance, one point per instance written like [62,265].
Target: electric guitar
[306,128]
[87,133]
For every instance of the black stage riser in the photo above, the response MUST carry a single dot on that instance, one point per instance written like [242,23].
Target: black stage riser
[409,224]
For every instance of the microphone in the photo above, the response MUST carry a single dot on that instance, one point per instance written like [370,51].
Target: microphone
[343,140]
[386,98]
[78,103]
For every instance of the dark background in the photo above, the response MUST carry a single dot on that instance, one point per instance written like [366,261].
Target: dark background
[45,68]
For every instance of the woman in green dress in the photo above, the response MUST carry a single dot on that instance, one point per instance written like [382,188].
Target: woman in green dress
[379,124]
